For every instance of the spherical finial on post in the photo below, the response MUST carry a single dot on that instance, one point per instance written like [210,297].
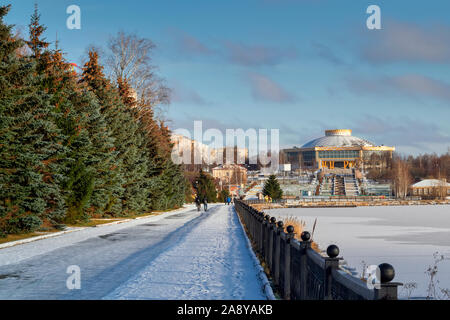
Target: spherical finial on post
[333,251]
[273,220]
[280,224]
[306,236]
[267,217]
[387,272]
[290,229]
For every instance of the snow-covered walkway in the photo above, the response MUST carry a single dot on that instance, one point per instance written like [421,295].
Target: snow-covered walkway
[182,255]
[211,262]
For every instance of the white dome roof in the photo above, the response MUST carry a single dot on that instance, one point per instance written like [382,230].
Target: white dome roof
[431,183]
[338,138]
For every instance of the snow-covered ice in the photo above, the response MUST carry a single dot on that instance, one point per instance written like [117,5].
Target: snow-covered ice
[179,255]
[404,236]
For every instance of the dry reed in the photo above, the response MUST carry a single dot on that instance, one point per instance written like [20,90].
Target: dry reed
[299,226]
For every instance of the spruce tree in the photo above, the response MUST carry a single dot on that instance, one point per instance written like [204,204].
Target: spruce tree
[205,187]
[99,158]
[90,155]
[78,182]
[60,83]
[163,176]
[37,44]
[272,188]
[102,157]
[31,143]
[116,119]
[168,190]
[136,157]
[167,185]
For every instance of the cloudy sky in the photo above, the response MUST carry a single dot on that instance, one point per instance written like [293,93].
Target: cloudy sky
[301,66]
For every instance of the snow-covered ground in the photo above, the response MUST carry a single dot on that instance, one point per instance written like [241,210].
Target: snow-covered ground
[404,236]
[178,255]
[212,262]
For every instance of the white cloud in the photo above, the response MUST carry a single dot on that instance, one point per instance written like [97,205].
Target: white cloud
[265,89]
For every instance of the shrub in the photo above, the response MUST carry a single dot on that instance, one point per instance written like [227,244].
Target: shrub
[24,224]
[59,226]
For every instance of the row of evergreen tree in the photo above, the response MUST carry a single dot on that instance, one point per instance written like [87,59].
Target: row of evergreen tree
[73,146]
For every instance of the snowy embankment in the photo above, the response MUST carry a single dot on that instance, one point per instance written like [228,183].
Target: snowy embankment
[179,255]
[404,236]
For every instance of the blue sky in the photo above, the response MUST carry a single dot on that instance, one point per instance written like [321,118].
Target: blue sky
[301,66]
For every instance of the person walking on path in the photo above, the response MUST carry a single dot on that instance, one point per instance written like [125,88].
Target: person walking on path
[205,204]
[228,200]
[197,203]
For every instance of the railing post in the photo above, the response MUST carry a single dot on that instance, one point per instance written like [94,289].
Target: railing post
[251,223]
[332,262]
[272,230]
[305,245]
[265,250]
[254,225]
[276,256]
[387,290]
[287,262]
[261,233]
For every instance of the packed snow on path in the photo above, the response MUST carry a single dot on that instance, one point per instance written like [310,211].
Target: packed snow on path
[107,256]
[30,250]
[404,236]
[213,261]
[190,255]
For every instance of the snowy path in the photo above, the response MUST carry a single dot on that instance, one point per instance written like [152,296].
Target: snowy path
[180,255]
[212,262]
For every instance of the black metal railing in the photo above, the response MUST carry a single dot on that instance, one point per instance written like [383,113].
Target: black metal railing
[300,273]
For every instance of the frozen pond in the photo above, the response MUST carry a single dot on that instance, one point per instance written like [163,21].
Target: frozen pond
[404,236]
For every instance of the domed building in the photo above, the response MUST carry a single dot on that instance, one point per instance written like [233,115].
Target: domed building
[337,149]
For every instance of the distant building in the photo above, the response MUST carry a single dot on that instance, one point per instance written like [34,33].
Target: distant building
[230,174]
[337,149]
[431,188]
[196,154]
[286,167]
[187,149]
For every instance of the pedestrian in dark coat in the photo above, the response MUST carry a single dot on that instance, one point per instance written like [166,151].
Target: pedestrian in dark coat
[197,203]
[205,204]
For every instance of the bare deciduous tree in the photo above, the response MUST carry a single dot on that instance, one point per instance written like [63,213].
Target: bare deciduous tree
[23,50]
[130,59]
[402,178]
[441,188]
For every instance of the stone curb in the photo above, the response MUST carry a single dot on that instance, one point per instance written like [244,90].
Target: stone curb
[75,229]
[45,236]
